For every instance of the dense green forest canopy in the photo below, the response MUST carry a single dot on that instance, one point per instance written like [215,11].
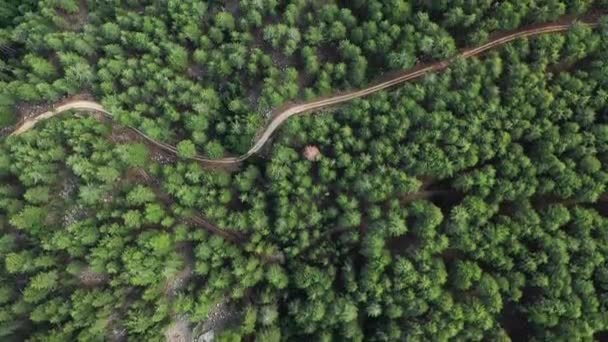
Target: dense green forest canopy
[470,205]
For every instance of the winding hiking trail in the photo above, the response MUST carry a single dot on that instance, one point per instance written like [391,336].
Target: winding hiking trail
[285,113]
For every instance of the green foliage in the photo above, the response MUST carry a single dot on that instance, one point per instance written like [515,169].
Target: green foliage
[41,67]
[270,334]
[7,107]
[214,149]
[225,21]
[134,155]
[38,195]
[277,277]
[140,195]
[450,208]
[186,149]
[177,57]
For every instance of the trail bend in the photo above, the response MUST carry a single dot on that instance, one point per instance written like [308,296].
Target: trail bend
[279,118]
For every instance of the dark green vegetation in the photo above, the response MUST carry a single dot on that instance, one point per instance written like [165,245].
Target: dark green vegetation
[468,206]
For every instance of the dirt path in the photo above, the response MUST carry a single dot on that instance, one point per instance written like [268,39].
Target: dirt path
[286,112]
[82,105]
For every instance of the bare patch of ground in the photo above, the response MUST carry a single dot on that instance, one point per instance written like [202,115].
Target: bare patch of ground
[233,7]
[116,332]
[328,54]
[195,72]
[75,21]
[180,280]
[125,135]
[403,244]
[69,185]
[514,322]
[282,61]
[74,214]
[221,316]
[91,279]
[253,94]
[207,337]
[30,110]
[162,157]
[138,175]
[122,135]
[179,331]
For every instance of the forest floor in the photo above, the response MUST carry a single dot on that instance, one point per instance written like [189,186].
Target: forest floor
[282,114]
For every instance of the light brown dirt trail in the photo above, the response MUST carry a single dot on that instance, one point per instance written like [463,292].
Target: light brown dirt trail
[76,105]
[287,112]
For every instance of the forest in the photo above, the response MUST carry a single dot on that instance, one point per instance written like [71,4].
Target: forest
[468,205]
